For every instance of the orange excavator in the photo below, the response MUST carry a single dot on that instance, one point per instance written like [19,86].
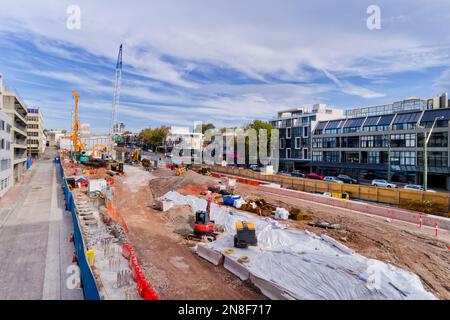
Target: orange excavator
[204,228]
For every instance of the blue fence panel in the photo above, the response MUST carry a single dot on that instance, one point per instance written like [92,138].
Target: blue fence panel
[90,289]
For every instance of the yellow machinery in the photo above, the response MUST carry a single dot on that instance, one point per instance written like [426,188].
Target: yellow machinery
[338,195]
[136,155]
[75,138]
[97,150]
[245,234]
[180,171]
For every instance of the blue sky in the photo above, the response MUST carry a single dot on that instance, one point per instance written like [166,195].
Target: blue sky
[225,62]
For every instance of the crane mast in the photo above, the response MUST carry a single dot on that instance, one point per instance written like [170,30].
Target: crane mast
[115,106]
[75,125]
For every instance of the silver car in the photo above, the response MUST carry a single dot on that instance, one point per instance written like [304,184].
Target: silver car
[332,179]
[416,187]
[383,183]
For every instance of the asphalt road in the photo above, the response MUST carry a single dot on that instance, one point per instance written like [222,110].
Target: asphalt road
[35,250]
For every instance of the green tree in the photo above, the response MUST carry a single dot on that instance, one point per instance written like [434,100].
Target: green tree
[258,125]
[206,126]
[154,137]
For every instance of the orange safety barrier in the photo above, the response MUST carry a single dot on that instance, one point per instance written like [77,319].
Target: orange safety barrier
[144,288]
[117,217]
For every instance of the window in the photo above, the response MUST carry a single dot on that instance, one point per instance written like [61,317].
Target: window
[403,158]
[403,140]
[288,153]
[317,156]
[437,140]
[351,157]
[350,142]
[374,157]
[331,156]
[297,143]
[330,142]
[435,158]
[317,143]
[282,143]
[305,153]
[305,132]
[332,131]
[288,133]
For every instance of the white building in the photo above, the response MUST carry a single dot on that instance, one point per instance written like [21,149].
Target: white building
[16,109]
[54,136]
[6,151]
[85,129]
[181,138]
[36,141]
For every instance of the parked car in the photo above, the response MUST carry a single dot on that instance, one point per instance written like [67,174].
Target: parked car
[332,179]
[297,173]
[383,183]
[314,176]
[416,187]
[346,179]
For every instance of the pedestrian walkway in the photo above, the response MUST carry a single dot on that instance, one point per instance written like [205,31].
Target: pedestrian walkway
[35,251]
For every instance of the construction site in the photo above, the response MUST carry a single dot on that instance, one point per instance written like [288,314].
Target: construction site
[299,249]
[147,228]
[95,217]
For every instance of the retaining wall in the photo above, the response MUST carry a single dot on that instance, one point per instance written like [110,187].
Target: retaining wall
[378,210]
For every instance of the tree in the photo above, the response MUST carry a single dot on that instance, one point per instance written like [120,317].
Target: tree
[154,137]
[206,126]
[258,125]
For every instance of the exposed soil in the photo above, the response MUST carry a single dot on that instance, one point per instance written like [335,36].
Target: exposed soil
[172,268]
[177,273]
[398,243]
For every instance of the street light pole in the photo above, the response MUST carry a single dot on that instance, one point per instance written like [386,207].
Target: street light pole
[425,153]
[389,153]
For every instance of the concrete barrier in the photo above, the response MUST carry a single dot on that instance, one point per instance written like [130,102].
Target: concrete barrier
[365,208]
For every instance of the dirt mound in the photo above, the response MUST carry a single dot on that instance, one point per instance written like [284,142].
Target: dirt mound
[181,219]
[190,179]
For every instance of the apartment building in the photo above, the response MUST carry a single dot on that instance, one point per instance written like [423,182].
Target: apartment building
[36,141]
[6,153]
[386,146]
[295,131]
[16,110]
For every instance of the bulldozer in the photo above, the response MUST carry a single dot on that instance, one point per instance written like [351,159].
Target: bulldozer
[245,234]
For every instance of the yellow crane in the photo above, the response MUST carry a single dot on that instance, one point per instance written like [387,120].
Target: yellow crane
[78,148]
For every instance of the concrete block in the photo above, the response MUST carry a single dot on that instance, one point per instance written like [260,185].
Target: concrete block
[215,257]
[236,268]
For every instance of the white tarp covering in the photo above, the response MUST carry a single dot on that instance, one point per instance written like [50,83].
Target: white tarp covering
[290,264]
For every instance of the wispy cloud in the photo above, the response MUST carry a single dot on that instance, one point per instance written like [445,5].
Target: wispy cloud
[220,61]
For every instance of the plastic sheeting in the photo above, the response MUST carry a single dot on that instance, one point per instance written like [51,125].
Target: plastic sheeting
[290,264]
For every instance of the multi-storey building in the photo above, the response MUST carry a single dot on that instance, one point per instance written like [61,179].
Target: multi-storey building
[385,146]
[36,141]
[295,133]
[16,110]
[6,153]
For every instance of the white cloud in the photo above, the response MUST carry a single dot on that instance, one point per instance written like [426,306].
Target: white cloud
[266,41]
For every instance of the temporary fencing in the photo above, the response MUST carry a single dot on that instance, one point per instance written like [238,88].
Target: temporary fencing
[144,288]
